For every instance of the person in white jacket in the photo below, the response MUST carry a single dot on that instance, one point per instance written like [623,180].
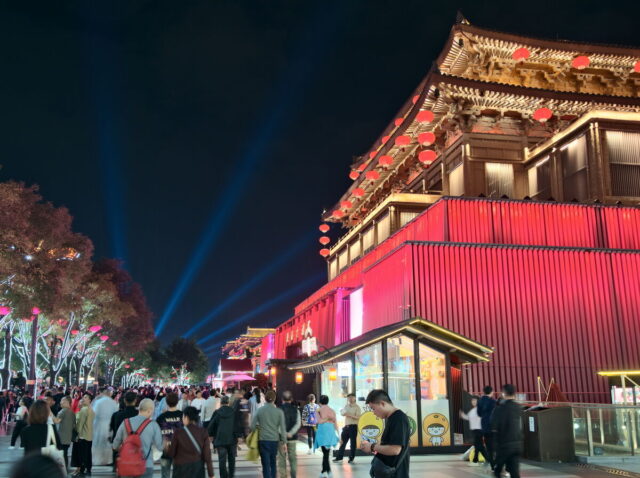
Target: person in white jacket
[475,424]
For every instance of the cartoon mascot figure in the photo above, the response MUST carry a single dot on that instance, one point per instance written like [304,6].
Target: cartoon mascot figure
[436,426]
[370,427]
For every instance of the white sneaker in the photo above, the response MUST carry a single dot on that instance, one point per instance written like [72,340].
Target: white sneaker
[323,475]
[329,475]
[309,452]
[12,448]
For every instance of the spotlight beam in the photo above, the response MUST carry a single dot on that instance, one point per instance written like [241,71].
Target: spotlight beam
[302,286]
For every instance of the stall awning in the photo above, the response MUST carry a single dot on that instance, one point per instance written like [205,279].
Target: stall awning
[439,337]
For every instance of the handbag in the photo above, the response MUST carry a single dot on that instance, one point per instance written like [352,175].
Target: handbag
[380,470]
[252,442]
[51,449]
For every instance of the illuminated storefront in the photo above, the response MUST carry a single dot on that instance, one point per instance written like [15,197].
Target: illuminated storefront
[420,365]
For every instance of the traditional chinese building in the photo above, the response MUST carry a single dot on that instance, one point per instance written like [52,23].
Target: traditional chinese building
[492,235]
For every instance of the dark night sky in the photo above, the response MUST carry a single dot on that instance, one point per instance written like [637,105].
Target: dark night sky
[148,118]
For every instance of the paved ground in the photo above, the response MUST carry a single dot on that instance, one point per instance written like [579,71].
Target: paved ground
[433,466]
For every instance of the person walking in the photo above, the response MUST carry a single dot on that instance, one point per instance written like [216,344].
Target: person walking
[118,417]
[190,448]
[310,420]
[292,423]
[506,422]
[224,431]
[486,405]
[36,434]
[197,402]
[393,449]
[351,413]
[475,424]
[81,452]
[150,435]
[327,434]
[104,407]
[271,433]
[255,402]
[208,407]
[169,421]
[21,422]
[66,421]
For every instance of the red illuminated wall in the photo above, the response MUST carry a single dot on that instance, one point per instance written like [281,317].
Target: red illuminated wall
[553,287]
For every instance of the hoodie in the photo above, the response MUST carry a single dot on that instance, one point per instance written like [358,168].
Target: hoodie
[223,427]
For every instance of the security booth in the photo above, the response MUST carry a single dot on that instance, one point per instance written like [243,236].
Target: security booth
[420,365]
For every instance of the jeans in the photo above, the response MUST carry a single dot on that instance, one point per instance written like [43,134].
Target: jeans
[293,460]
[510,459]
[326,466]
[268,451]
[349,433]
[165,467]
[479,448]
[227,454]
[311,436]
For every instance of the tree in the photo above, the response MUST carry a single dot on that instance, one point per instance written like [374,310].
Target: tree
[182,351]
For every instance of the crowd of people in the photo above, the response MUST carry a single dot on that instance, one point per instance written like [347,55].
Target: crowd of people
[181,426]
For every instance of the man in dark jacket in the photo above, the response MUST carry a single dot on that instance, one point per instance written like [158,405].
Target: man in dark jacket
[486,404]
[117,418]
[223,431]
[292,423]
[506,422]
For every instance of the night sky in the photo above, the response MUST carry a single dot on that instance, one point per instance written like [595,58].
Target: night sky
[208,136]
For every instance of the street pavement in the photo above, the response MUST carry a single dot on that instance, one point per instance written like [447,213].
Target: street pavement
[309,466]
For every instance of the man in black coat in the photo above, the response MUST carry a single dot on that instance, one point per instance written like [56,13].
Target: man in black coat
[117,418]
[486,405]
[506,422]
[224,432]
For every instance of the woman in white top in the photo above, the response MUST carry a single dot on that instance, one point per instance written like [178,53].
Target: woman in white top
[475,424]
[21,422]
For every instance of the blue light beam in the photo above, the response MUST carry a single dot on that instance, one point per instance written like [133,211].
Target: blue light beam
[302,286]
[261,276]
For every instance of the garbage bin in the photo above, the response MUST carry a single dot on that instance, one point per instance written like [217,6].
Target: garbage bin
[548,434]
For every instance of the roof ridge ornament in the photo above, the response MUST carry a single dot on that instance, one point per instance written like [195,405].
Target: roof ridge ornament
[461,19]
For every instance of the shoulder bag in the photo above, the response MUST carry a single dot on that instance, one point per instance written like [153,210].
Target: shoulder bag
[51,449]
[380,470]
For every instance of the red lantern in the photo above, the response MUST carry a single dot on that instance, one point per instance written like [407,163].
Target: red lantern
[427,138]
[542,114]
[337,213]
[95,328]
[425,116]
[299,377]
[372,154]
[324,240]
[362,167]
[75,332]
[354,175]
[324,228]
[403,140]
[580,62]
[415,99]
[427,156]
[385,161]
[131,359]
[636,67]
[358,192]
[127,366]
[4,310]
[346,204]
[385,139]
[324,252]
[372,175]
[35,311]
[104,338]
[115,343]
[521,54]
[398,121]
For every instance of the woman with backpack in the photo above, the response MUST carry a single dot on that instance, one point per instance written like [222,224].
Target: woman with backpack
[190,448]
[310,420]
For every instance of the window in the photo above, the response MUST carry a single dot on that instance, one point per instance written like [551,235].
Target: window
[498,179]
[436,425]
[402,379]
[354,250]
[624,162]
[338,389]
[574,170]
[456,181]
[540,180]
[406,216]
[333,268]
[343,259]
[368,370]
[367,239]
[384,227]
[356,313]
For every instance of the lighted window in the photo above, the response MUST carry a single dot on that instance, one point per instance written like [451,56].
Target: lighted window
[343,259]
[573,157]
[384,227]
[356,313]
[456,181]
[367,239]
[539,176]
[333,268]
[402,379]
[499,179]
[338,389]
[436,423]
[354,250]
[406,216]
[368,370]
[624,162]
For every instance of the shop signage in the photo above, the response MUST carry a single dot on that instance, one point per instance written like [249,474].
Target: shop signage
[309,343]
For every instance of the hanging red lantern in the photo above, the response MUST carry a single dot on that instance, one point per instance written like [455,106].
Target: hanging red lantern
[372,175]
[427,138]
[333,374]
[354,175]
[324,240]
[4,310]
[324,228]
[115,343]
[346,204]
[95,328]
[385,161]
[337,213]
[35,311]
[636,67]
[521,54]
[398,121]
[427,156]
[425,116]
[385,139]
[358,192]
[75,332]
[362,167]
[542,114]
[127,366]
[580,62]
[131,359]
[104,338]
[299,377]
[324,252]
[372,154]
[415,99]
[403,140]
